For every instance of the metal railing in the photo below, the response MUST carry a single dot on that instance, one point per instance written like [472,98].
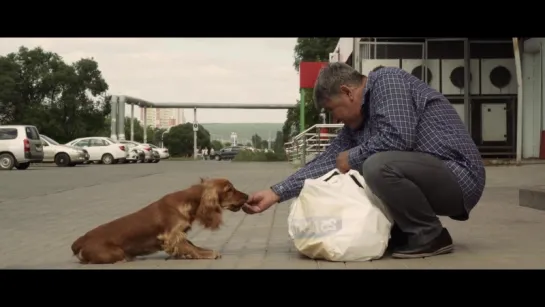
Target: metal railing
[310,143]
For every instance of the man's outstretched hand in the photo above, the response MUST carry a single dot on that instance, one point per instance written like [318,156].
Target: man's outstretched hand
[260,201]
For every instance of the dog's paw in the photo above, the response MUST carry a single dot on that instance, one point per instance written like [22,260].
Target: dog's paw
[216,255]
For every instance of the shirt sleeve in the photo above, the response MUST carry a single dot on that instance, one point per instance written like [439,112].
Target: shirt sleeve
[394,120]
[319,166]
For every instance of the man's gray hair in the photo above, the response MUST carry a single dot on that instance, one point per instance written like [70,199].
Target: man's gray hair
[330,79]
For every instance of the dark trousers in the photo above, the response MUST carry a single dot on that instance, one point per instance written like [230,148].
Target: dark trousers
[416,187]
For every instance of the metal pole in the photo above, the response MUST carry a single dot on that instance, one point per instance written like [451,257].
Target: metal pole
[520,100]
[302,126]
[195,134]
[121,118]
[467,85]
[145,124]
[132,122]
[113,118]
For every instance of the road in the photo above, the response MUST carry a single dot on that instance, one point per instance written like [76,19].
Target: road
[45,208]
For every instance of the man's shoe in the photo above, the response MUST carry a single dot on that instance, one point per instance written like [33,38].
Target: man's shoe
[397,239]
[438,246]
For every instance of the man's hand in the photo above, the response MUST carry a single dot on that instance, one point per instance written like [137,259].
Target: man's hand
[260,201]
[342,162]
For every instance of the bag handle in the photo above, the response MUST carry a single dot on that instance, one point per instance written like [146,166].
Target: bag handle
[351,176]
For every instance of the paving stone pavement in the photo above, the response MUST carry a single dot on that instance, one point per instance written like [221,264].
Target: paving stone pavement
[45,208]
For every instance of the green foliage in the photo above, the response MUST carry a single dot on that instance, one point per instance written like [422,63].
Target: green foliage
[179,140]
[249,156]
[216,145]
[313,49]
[65,101]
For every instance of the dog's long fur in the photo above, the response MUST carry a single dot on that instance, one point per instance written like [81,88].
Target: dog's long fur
[162,225]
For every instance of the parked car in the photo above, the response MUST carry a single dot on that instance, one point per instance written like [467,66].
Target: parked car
[156,156]
[163,152]
[20,145]
[62,155]
[227,153]
[135,155]
[102,149]
[138,147]
[150,155]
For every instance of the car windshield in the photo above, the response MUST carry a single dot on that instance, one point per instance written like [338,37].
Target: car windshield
[49,140]
[152,146]
[112,141]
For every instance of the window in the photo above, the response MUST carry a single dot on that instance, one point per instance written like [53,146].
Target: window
[97,142]
[32,133]
[49,140]
[82,143]
[8,133]
[111,141]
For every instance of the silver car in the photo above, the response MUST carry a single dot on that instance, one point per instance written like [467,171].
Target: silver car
[62,155]
[20,145]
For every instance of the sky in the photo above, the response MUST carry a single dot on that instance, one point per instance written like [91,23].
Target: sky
[213,70]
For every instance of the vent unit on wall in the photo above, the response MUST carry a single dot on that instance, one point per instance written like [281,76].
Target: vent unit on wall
[368,65]
[415,67]
[452,77]
[498,77]
[494,122]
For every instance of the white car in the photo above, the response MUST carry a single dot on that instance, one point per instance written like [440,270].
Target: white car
[163,152]
[62,155]
[148,157]
[102,149]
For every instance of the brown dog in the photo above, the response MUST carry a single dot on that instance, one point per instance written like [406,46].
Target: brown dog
[162,225]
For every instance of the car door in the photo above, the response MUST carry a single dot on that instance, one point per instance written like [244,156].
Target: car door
[49,151]
[100,146]
[85,145]
[33,136]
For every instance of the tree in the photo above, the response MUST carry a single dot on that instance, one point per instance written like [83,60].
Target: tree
[256,141]
[278,145]
[216,145]
[64,101]
[179,140]
[307,49]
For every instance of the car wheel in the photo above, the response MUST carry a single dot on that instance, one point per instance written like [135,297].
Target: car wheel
[156,161]
[107,159]
[22,166]
[62,159]
[7,162]
[217,158]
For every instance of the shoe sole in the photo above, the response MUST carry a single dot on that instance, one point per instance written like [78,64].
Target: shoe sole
[443,250]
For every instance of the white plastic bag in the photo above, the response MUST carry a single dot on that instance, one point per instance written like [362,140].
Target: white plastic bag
[337,218]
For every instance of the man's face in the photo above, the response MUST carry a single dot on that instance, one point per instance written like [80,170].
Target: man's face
[346,107]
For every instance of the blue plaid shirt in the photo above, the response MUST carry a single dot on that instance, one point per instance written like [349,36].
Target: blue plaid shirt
[402,113]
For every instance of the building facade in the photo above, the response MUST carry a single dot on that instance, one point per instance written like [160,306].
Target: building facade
[499,98]
[162,118]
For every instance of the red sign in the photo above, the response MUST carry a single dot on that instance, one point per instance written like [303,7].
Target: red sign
[308,73]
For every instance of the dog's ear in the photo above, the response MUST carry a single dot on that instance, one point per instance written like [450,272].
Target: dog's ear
[209,211]
[202,179]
